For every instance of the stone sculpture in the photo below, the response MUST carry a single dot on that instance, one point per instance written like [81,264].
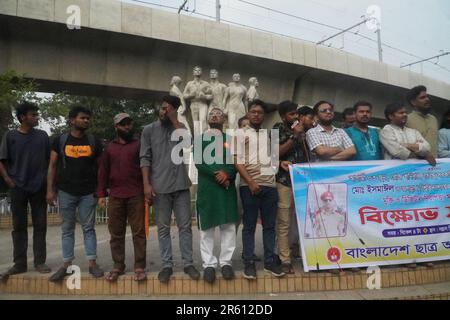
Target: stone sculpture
[233,101]
[198,92]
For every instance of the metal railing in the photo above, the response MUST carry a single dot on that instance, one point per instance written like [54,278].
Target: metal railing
[5,206]
[5,210]
[101,214]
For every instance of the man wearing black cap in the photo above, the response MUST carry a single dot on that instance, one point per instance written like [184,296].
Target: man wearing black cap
[166,186]
[120,172]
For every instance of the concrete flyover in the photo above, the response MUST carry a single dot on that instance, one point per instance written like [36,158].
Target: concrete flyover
[129,50]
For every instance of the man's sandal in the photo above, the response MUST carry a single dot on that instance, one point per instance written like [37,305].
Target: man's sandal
[140,275]
[113,275]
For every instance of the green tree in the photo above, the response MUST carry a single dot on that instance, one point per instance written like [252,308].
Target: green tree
[13,89]
[55,110]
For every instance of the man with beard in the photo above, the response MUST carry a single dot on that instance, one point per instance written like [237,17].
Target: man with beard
[216,197]
[73,165]
[166,187]
[120,172]
[421,119]
[24,154]
[401,142]
[365,138]
[293,149]
[258,191]
[348,118]
[327,142]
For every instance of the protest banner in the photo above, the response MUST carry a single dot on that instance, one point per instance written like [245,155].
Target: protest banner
[363,213]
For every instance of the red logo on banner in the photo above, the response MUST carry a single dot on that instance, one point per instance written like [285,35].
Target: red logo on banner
[334,255]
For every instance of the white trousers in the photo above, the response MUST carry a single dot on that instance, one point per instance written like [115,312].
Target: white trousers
[227,245]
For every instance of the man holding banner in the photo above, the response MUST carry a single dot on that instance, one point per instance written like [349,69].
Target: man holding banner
[397,211]
[401,142]
[365,138]
[293,148]
[327,142]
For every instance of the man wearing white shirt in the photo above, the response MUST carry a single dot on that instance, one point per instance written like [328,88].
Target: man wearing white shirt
[401,142]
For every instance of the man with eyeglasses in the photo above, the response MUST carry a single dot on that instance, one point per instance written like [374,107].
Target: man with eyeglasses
[258,193]
[216,197]
[327,142]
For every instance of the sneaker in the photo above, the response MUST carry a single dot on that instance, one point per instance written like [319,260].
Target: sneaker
[250,271]
[164,274]
[227,272]
[59,275]
[209,274]
[192,272]
[287,268]
[275,269]
[12,271]
[96,271]
[276,260]
[43,268]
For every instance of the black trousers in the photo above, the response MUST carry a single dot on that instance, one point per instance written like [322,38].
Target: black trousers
[19,207]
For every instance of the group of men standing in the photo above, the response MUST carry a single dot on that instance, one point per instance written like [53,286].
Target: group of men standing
[76,171]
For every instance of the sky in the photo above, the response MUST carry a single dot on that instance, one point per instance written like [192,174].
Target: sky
[417,29]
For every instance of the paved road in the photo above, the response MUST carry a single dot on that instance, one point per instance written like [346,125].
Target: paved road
[54,255]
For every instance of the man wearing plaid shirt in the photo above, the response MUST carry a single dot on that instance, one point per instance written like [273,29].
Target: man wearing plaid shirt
[327,142]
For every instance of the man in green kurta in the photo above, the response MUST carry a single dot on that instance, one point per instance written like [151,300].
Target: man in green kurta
[216,197]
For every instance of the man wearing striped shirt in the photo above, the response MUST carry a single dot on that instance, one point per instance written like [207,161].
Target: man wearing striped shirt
[327,142]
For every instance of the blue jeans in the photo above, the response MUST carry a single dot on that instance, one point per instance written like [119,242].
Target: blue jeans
[68,205]
[265,203]
[179,203]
